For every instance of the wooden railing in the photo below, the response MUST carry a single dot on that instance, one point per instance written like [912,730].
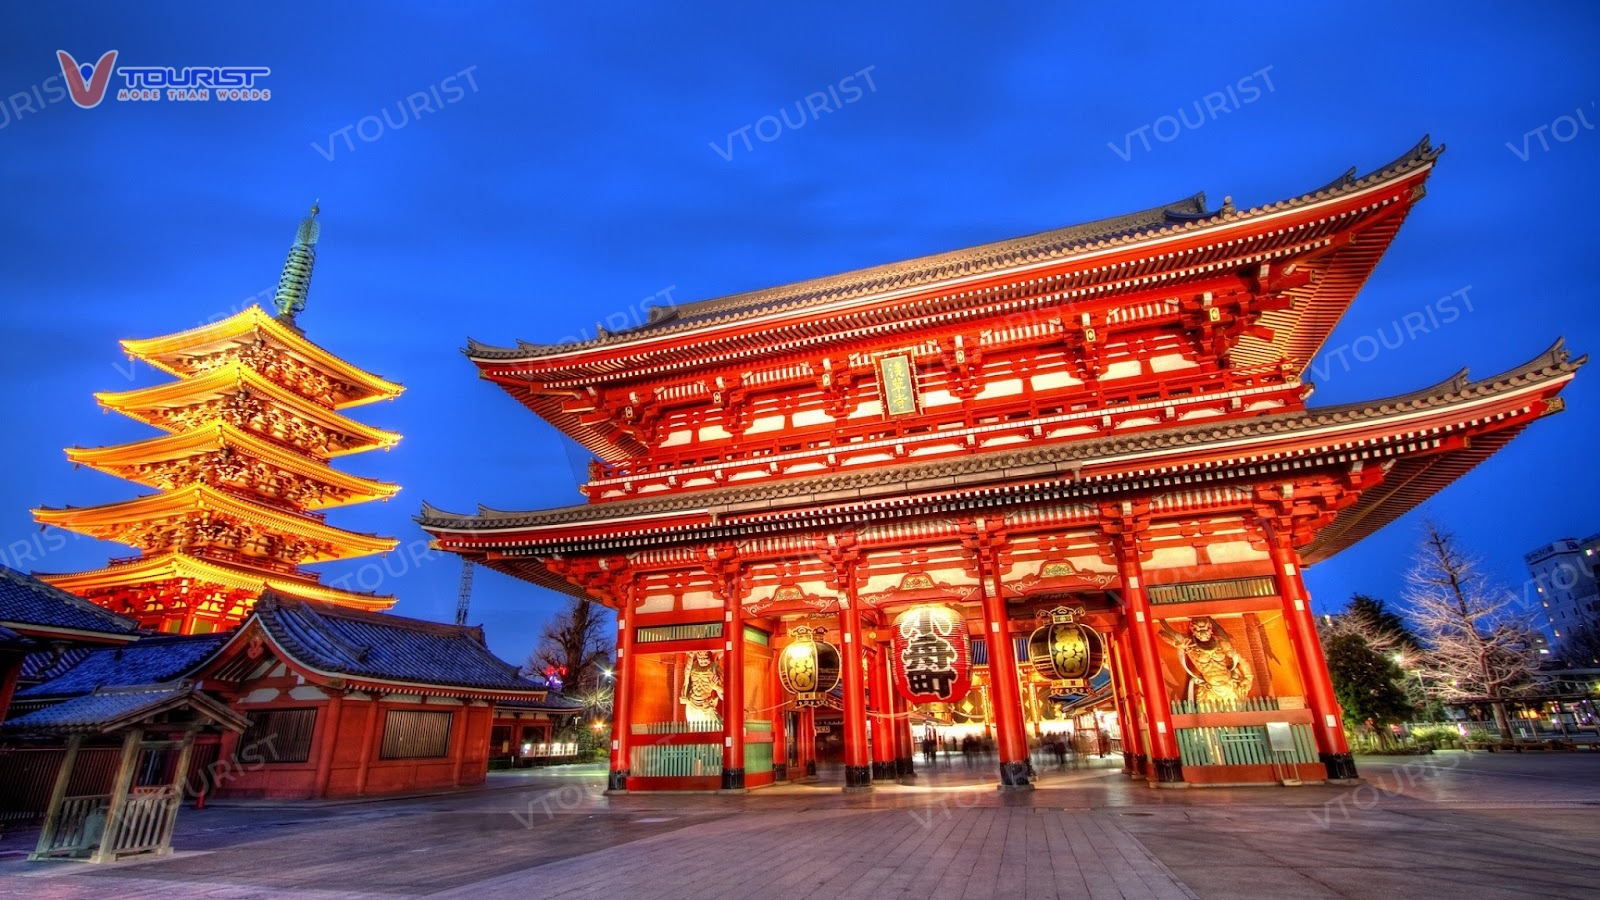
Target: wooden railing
[145,821]
[676,727]
[80,826]
[676,760]
[1248,704]
[1244,745]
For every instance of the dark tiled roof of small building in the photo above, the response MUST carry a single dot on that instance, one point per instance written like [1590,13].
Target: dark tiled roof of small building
[87,712]
[43,665]
[383,647]
[25,601]
[153,661]
[552,700]
[110,710]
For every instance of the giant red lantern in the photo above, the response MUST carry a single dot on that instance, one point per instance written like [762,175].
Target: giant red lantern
[932,655]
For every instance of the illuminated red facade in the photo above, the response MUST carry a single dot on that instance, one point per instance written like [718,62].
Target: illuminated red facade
[1109,416]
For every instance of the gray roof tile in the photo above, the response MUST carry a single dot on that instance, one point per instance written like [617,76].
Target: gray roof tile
[25,601]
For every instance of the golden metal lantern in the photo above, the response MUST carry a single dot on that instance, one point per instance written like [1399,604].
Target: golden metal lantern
[1064,651]
[809,668]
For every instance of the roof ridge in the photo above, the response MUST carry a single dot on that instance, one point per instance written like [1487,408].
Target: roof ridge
[387,619]
[1068,240]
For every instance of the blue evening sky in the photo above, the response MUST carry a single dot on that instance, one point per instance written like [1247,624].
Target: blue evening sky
[591,157]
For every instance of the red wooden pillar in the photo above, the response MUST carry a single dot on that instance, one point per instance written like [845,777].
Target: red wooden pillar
[10,672]
[1011,735]
[1165,765]
[733,695]
[1127,705]
[1327,720]
[780,725]
[883,728]
[905,747]
[333,716]
[805,736]
[371,735]
[622,698]
[857,772]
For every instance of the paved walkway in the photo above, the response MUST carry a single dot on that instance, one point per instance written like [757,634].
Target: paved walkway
[1472,826]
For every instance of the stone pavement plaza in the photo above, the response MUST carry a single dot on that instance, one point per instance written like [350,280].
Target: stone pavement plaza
[1451,825]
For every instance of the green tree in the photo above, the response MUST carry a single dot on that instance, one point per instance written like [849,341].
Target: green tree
[1366,683]
[1375,618]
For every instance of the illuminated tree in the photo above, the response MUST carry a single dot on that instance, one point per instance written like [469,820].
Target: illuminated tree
[575,645]
[1477,643]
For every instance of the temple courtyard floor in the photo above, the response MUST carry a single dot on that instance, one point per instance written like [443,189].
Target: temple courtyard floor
[1452,824]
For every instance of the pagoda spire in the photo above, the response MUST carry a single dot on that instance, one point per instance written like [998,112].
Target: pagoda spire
[295,283]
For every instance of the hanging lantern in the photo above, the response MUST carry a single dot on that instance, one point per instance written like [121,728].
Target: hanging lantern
[1066,652]
[932,655]
[809,668]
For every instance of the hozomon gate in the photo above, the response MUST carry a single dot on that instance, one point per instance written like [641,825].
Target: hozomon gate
[923,459]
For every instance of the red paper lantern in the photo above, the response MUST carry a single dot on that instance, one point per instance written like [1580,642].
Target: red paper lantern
[932,655]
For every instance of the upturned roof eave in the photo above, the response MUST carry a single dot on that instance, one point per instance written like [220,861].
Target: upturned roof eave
[254,318]
[198,496]
[236,375]
[1418,159]
[181,565]
[222,435]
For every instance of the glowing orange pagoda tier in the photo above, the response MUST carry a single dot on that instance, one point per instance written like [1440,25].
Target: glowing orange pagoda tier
[1055,488]
[242,474]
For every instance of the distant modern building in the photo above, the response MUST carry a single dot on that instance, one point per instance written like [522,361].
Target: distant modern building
[1563,573]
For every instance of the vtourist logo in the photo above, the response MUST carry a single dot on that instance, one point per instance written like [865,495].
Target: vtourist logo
[85,83]
[88,85]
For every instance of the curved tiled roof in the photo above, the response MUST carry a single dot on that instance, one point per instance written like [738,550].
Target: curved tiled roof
[383,647]
[1062,456]
[1184,216]
[153,660]
[26,601]
[106,711]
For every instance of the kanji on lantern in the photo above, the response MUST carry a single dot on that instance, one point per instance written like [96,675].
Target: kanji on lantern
[932,655]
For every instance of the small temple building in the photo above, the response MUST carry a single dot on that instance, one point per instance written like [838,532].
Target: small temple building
[304,700]
[955,490]
[242,475]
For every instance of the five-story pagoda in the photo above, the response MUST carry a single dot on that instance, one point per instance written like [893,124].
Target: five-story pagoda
[242,473]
